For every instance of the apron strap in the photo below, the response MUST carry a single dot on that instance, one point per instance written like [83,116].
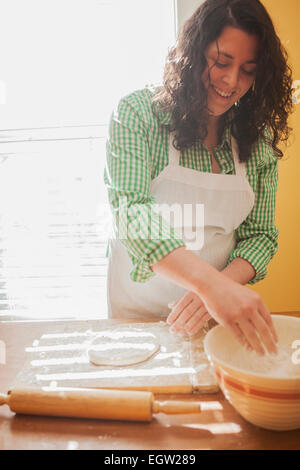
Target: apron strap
[240,167]
[174,154]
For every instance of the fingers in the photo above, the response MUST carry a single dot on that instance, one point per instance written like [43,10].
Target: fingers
[187,314]
[173,304]
[268,319]
[265,332]
[250,335]
[179,306]
[257,333]
[197,321]
[184,316]
[240,336]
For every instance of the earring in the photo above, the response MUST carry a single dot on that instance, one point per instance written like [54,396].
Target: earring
[253,86]
[237,103]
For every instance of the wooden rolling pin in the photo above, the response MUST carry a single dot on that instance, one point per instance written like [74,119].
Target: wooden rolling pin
[92,403]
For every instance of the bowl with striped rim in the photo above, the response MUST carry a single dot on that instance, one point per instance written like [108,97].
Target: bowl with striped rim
[265,390]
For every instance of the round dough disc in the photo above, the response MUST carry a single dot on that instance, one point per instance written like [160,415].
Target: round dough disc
[123,346]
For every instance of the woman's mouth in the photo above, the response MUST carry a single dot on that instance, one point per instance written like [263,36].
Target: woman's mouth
[220,93]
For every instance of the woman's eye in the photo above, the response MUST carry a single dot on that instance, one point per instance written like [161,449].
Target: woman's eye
[252,72]
[247,72]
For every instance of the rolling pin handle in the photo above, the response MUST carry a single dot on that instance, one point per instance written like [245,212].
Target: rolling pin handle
[175,407]
[3,399]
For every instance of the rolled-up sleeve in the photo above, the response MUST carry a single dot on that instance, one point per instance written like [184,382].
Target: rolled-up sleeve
[146,235]
[257,236]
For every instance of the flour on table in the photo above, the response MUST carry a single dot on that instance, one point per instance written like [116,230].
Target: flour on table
[123,346]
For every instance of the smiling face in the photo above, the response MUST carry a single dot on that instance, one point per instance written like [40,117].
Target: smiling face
[229,74]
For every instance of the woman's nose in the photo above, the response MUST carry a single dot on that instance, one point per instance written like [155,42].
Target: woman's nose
[231,78]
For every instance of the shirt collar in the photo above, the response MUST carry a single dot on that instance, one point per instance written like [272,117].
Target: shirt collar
[226,138]
[165,118]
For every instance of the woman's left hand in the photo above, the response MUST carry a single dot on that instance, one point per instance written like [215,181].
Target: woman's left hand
[188,314]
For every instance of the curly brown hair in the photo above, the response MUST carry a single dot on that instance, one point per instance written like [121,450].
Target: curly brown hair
[260,113]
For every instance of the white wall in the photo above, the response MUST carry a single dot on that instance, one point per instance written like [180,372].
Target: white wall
[185,8]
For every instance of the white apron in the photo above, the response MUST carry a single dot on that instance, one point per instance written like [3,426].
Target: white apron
[227,200]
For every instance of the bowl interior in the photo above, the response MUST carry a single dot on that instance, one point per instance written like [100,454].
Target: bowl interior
[221,346]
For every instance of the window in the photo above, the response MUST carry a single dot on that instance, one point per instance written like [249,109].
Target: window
[64,64]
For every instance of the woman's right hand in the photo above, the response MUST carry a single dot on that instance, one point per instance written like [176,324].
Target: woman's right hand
[242,311]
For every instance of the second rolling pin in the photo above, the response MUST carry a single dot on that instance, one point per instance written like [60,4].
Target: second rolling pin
[92,403]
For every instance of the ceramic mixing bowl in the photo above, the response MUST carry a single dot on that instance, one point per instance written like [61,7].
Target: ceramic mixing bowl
[264,390]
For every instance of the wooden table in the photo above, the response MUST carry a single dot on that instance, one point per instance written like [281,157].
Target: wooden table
[217,427]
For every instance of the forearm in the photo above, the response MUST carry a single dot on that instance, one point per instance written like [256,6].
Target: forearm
[186,269]
[239,270]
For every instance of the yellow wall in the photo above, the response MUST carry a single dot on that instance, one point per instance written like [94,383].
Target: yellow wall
[281,289]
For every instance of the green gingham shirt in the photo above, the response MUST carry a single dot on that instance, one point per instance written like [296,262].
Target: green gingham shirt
[137,151]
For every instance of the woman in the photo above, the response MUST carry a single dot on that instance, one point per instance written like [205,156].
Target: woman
[208,136]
